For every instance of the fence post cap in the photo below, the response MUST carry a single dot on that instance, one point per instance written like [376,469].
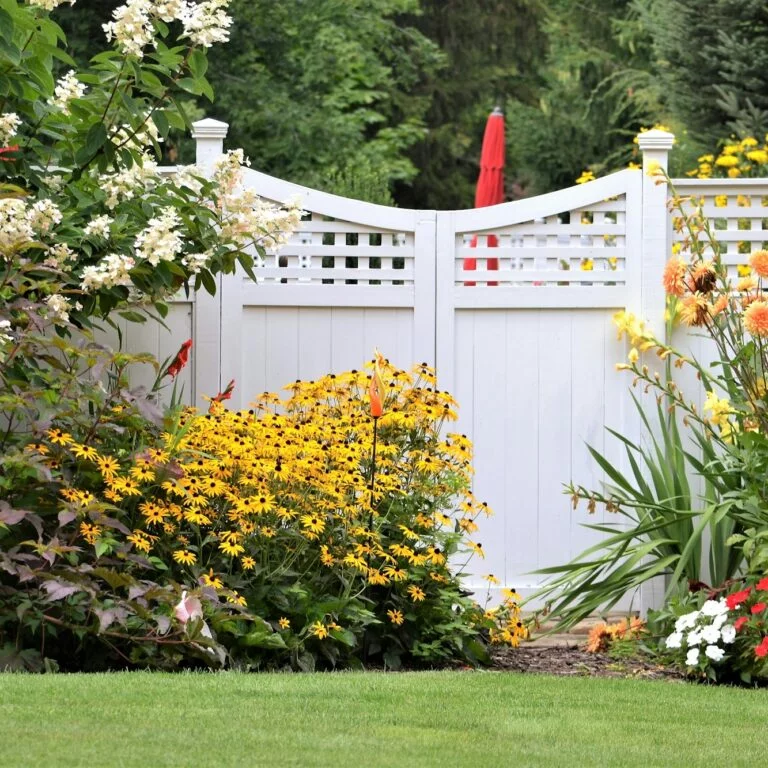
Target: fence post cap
[208,128]
[655,139]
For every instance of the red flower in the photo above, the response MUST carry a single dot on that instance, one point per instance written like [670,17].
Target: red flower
[762,585]
[762,650]
[758,608]
[226,394]
[180,360]
[5,150]
[737,598]
[740,622]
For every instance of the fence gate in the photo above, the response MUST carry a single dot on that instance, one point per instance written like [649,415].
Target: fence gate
[528,349]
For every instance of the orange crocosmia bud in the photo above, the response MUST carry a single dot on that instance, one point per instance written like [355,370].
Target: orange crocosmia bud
[180,360]
[376,387]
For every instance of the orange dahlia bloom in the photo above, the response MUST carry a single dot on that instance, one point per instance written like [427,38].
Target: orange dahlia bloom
[720,305]
[756,318]
[694,310]
[759,262]
[674,277]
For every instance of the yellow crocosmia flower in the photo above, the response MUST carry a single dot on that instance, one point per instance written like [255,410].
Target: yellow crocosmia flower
[721,409]
[633,355]
[396,617]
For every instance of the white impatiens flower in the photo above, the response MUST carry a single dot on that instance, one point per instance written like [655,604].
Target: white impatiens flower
[67,88]
[207,22]
[687,621]
[692,659]
[674,640]
[160,241]
[710,634]
[714,652]
[694,638]
[59,307]
[9,123]
[728,633]
[714,608]
[99,227]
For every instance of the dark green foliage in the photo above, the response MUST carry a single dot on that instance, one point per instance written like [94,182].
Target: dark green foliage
[712,59]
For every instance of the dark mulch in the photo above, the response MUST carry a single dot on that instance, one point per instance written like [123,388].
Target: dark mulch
[574,661]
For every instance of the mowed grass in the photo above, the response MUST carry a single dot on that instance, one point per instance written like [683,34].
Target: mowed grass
[373,719]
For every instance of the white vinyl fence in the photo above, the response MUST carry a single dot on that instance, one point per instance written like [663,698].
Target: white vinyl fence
[528,350]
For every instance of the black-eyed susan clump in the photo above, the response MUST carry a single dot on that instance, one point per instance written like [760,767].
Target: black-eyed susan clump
[293,541]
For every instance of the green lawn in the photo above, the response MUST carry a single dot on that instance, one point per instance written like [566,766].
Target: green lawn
[420,719]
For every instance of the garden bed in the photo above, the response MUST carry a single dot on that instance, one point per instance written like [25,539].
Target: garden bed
[573,661]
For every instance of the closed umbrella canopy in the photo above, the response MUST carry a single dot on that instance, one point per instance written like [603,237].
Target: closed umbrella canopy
[490,182]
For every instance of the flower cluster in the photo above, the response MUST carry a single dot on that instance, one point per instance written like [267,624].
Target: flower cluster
[706,627]
[67,88]
[129,182]
[112,270]
[9,124]
[160,240]
[603,635]
[133,24]
[745,158]
[242,502]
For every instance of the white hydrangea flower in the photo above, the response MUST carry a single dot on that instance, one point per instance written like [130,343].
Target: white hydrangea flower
[67,88]
[189,176]
[686,621]
[728,633]
[59,307]
[207,22]
[714,608]
[714,652]
[675,640]
[140,138]
[710,634]
[15,226]
[170,10]
[692,659]
[131,27]
[9,123]
[53,182]
[194,262]
[59,256]
[50,5]
[43,215]
[127,183]
[110,271]
[99,227]
[5,325]
[159,241]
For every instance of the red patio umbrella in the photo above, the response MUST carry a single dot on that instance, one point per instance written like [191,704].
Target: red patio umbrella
[490,182]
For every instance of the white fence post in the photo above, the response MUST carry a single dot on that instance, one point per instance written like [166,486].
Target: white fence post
[209,137]
[655,250]
[655,146]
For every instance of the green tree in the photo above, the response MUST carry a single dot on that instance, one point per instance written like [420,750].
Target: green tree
[312,90]
[712,60]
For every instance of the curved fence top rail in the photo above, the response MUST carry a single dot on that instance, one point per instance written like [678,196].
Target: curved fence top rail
[326,204]
[469,219]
